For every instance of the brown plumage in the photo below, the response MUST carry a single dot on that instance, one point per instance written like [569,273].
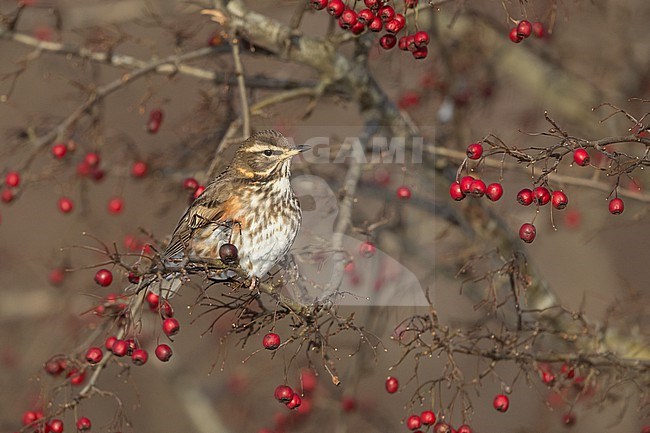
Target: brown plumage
[250,204]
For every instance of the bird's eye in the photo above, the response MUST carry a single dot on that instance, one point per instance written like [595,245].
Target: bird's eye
[268,152]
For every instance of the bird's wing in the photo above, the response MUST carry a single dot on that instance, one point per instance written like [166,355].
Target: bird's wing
[208,208]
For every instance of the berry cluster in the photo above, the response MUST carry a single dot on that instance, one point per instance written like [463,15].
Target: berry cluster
[468,185]
[524,29]
[378,16]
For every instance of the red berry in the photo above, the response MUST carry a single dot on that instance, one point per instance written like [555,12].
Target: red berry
[54,366]
[55,426]
[318,4]
[404,192]
[373,4]
[12,179]
[166,309]
[120,348]
[228,253]
[271,341]
[403,43]
[367,249]
[541,196]
[616,206]
[198,191]
[83,424]
[442,427]
[94,355]
[386,13]
[527,232]
[308,380]
[295,401]
[348,404]
[538,29]
[376,25]
[155,120]
[91,159]
[464,429]
[477,188]
[335,8]
[581,157]
[190,184]
[494,191]
[365,16]
[514,36]
[568,419]
[56,276]
[357,28]
[59,150]
[65,205]
[501,403]
[31,416]
[153,300]
[109,342]
[283,394]
[394,26]
[163,352]
[171,326]
[421,53]
[387,41]
[139,356]
[348,19]
[410,3]
[104,277]
[392,385]
[7,196]
[474,151]
[559,200]
[115,205]
[524,28]
[455,191]
[139,169]
[421,38]
[525,197]
[428,417]
[413,422]
[548,377]
[76,377]
[568,371]
[466,184]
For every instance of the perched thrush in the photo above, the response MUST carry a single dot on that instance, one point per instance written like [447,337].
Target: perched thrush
[250,204]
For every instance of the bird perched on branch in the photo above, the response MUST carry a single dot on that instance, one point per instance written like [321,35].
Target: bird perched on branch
[250,205]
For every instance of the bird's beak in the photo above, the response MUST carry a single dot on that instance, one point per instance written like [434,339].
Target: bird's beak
[299,149]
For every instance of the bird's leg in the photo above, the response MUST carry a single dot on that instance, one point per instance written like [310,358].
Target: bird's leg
[255,282]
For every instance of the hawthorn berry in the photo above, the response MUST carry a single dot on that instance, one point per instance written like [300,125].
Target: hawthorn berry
[198,191]
[524,28]
[295,401]
[392,385]
[501,402]
[474,151]
[139,169]
[94,355]
[348,19]
[77,377]
[335,8]
[547,377]
[421,38]
[83,424]
[139,356]
[387,41]
[153,299]
[104,277]
[404,192]
[413,422]
[154,122]
[420,53]
[56,276]
[65,205]
[456,191]
[393,26]
[367,249]
[559,200]
[527,232]
[428,417]
[12,179]
[59,150]
[466,184]
[538,29]
[581,157]
[271,341]
[31,416]
[54,366]
[318,4]
[373,4]
[109,342]
[170,326]
[115,205]
[568,371]
[525,197]
[494,191]
[163,352]
[92,159]
[386,13]
[514,36]
[7,195]
[54,426]
[228,253]
[442,427]
[308,380]
[376,25]
[541,196]
[616,206]
[120,348]
[464,429]
[365,16]
[403,43]
[190,184]
[477,188]
[283,393]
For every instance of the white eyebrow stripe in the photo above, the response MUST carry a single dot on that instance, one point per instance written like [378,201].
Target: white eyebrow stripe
[262,147]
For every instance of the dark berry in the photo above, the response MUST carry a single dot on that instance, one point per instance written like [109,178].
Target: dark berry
[524,28]
[228,253]
[163,352]
[541,196]
[527,233]
[525,197]
[494,191]
[559,200]
[271,341]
